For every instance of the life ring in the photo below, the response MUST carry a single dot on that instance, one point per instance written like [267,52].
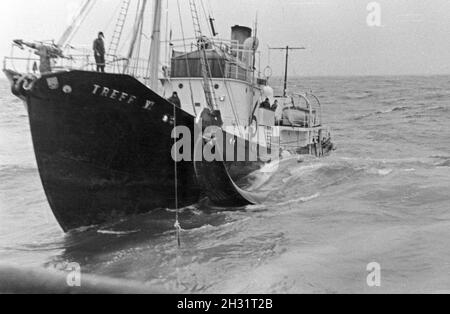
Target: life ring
[23,85]
[268,72]
[27,84]
[18,89]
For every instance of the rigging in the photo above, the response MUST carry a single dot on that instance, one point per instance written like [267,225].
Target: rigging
[117,34]
[206,71]
[287,49]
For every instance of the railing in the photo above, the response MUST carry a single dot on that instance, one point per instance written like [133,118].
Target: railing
[81,58]
[307,103]
[136,67]
[312,129]
[232,50]
[12,63]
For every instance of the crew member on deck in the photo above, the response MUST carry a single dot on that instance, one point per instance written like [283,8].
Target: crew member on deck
[45,52]
[175,100]
[265,104]
[99,52]
[279,114]
[274,106]
[35,67]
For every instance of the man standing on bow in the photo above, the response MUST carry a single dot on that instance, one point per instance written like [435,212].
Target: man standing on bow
[99,52]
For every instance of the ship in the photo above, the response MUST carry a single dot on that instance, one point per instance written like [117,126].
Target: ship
[111,145]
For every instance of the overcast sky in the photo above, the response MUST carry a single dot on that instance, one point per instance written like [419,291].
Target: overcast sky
[413,38]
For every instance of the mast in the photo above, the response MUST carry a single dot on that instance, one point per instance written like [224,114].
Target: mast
[286,72]
[155,48]
[76,22]
[287,48]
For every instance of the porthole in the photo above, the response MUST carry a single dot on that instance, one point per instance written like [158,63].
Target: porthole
[180,86]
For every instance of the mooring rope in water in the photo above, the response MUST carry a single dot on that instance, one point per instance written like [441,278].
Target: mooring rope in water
[177,218]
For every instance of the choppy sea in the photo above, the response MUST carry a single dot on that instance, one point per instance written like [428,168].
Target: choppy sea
[383,197]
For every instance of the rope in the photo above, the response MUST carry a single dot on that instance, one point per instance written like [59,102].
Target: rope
[177,224]
[76,28]
[136,33]
[230,95]
[138,50]
[177,217]
[187,60]
[167,45]
[113,17]
[207,19]
[210,9]
[130,33]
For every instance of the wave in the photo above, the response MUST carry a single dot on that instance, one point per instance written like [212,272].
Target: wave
[400,163]
[358,95]
[437,108]
[380,172]
[358,118]
[427,112]
[383,112]
[6,171]
[300,200]
[307,168]
[395,109]
[117,233]
[347,169]
[319,177]
[441,161]
[444,164]
[438,96]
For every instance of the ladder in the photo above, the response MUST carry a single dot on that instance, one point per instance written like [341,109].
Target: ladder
[115,39]
[206,71]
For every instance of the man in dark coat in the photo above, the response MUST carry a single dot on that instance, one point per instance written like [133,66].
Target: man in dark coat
[265,104]
[175,100]
[274,106]
[99,52]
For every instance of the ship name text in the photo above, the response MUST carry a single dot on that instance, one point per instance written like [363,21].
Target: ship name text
[120,96]
[113,94]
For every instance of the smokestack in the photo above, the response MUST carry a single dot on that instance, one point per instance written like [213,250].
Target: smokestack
[240,34]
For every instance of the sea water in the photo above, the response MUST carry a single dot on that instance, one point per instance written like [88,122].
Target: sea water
[383,197]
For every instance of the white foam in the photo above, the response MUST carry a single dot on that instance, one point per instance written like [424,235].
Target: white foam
[380,172]
[117,233]
[300,200]
[385,172]
[306,168]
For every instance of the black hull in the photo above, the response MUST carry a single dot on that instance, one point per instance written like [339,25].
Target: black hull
[105,156]
[103,145]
